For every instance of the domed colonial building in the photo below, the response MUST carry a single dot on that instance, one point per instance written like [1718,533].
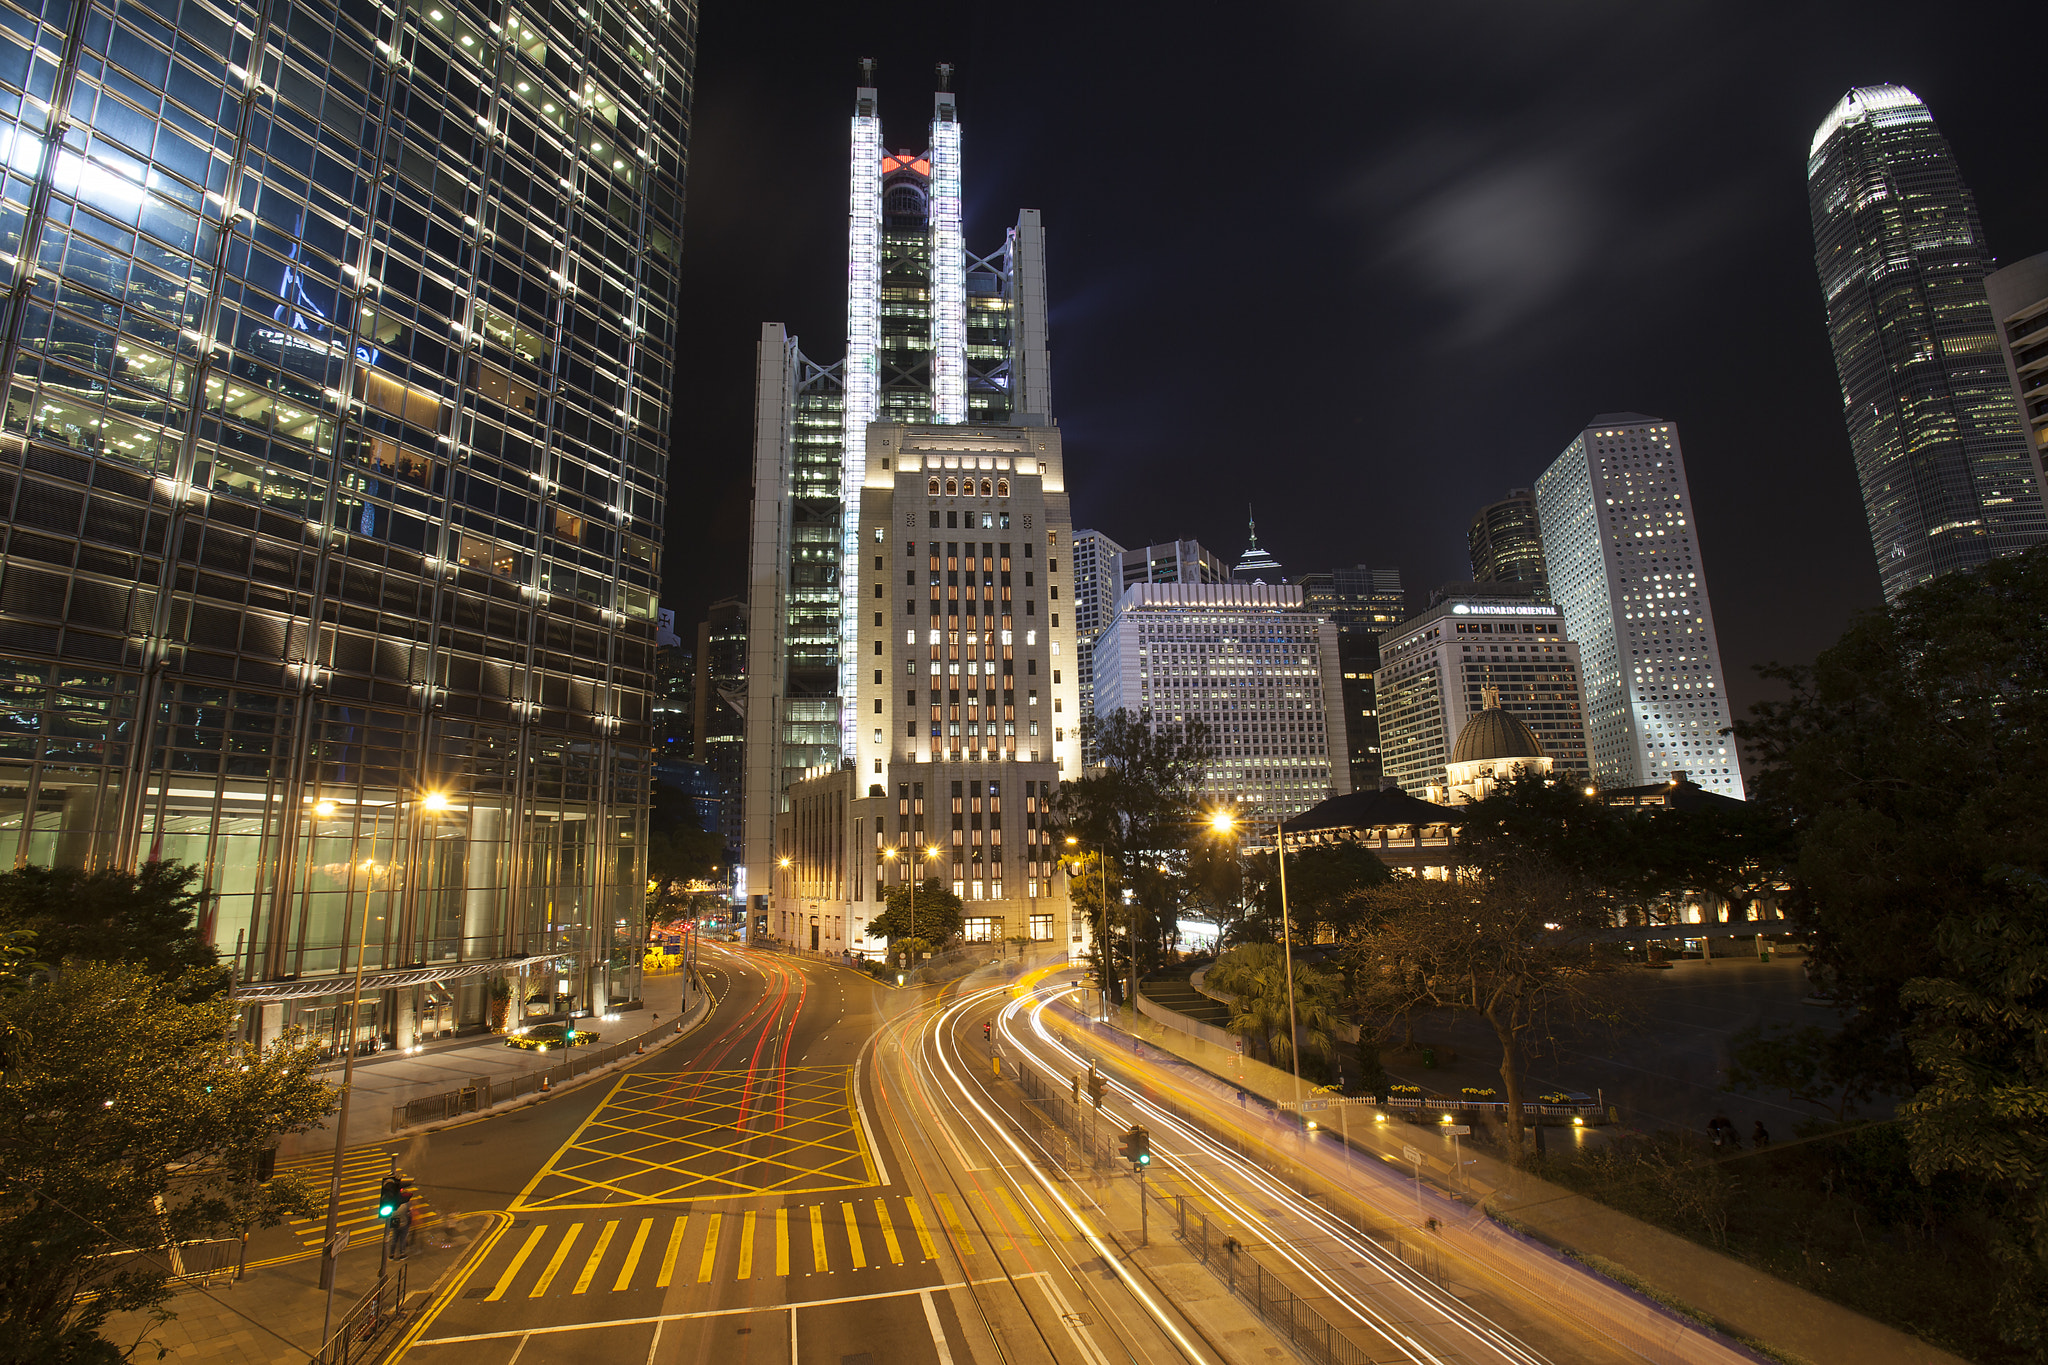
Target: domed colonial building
[1493,746]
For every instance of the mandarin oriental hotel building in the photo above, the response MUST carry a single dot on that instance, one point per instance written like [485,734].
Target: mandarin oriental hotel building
[339,348]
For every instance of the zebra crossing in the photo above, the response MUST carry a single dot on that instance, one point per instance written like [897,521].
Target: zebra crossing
[362,1175]
[571,1255]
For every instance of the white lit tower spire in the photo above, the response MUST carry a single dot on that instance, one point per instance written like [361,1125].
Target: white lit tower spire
[949,260]
[862,370]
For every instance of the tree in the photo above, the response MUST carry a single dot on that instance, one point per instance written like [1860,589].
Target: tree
[1507,943]
[125,1089]
[939,913]
[1908,761]
[1255,975]
[1140,803]
[1095,891]
[151,917]
[1798,1061]
[679,851]
[1323,886]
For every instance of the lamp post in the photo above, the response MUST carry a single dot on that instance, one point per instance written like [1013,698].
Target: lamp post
[1287,950]
[431,801]
[1225,822]
[782,863]
[1102,870]
[929,854]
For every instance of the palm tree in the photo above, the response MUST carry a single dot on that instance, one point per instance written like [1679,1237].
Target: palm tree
[1254,974]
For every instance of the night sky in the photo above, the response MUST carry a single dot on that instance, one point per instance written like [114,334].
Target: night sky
[1365,265]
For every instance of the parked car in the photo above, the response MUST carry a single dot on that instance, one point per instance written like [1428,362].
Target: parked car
[547,1037]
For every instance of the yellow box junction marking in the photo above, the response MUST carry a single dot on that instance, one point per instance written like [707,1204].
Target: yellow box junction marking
[674,1136]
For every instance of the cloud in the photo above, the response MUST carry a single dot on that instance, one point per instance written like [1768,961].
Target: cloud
[1499,232]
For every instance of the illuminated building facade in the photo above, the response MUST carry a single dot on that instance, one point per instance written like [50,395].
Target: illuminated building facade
[1623,547]
[1436,671]
[1506,545]
[1245,660]
[967,698]
[934,334]
[1948,481]
[2019,308]
[1097,585]
[1363,603]
[340,339]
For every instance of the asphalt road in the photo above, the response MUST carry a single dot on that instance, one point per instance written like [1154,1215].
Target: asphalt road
[764,1190]
[832,1172]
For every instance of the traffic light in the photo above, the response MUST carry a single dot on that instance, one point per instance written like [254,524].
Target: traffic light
[1098,1086]
[984,1030]
[1137,1146]
[388,1196]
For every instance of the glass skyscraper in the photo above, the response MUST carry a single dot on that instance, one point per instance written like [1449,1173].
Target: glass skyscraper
[1506,545]
[339,339]
[1948,481]
[934,334]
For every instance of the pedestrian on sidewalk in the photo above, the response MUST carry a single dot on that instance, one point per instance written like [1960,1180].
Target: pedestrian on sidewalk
[1761,1138]
[398,1229]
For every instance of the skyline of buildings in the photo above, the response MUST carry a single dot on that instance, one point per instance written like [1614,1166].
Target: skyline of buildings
[1947,476]
[341,342]
[1622,543]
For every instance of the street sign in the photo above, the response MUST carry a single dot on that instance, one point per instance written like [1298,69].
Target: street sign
[338,1245]
[1411,1156]
[1456,1129]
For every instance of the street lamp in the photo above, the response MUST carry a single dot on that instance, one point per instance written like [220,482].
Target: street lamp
[1287,949]
[1102,942]
[929,854]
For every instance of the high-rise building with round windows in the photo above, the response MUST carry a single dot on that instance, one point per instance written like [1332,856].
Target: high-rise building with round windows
[339,338]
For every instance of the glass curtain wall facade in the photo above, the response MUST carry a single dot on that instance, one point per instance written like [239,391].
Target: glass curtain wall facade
[1948,482]
[339,348]
[1506,545]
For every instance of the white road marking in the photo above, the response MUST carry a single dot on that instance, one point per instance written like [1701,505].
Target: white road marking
[931,1319]
[685,1317]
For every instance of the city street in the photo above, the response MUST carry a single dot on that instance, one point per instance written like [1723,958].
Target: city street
[828,1170]
[778,1185]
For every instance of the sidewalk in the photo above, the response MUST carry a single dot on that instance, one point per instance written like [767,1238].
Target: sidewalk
[390,1079]
[273,1316]
[1747,1302]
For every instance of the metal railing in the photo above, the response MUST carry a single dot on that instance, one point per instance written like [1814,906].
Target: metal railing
[358,1337]
[1079,1144]
[482,1092]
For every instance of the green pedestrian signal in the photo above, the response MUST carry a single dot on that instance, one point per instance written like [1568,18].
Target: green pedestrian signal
[388,1195]
[1137,1146]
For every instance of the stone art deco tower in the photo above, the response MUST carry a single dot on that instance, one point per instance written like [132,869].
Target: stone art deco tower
[1948,481]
